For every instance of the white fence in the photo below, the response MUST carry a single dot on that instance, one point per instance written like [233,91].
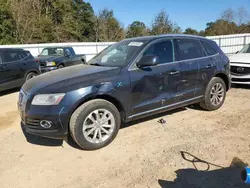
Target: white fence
[228,43]
[90,49]
[231,43]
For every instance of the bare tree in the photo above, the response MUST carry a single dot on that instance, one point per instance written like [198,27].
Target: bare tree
[228,15]
[242,16]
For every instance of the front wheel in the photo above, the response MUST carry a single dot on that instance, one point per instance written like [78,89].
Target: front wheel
[60,66]
[95,124]
[215,94]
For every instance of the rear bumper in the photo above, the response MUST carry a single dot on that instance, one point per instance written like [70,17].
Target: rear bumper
[47,69]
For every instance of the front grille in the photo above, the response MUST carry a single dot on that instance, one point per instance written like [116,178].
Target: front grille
[240,80]
[237,70]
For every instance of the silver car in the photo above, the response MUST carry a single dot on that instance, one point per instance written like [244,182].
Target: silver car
[240,66]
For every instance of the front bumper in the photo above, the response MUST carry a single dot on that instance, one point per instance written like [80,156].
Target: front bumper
[31,116]
[47,69]
[237,79]
[55,134]
[240,73]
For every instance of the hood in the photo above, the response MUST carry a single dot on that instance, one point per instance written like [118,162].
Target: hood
[69,78]
[43,59]
[240,58]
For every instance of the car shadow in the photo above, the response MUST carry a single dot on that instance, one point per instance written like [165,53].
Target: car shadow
[160,115]
[229,177]
[10,91]
[33,139]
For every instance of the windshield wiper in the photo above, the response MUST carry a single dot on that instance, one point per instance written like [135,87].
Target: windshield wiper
[96,64]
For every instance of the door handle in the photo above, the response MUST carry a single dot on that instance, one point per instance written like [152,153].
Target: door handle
[174,72]
[209,66]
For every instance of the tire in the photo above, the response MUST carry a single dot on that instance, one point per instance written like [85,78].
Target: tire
[30,75]
[60,66]
[209,103]
[80,118]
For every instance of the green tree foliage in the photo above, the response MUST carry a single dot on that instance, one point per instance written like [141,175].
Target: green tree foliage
[44,21]
[163,25]
[7,24]
[191,31]
[137,29]
[108,27]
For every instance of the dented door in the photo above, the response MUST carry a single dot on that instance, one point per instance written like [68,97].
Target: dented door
[155,87]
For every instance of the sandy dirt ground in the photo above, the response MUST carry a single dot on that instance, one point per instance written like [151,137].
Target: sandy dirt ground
[194,148]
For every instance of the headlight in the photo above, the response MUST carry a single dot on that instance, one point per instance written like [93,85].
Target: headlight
[48,99]
[51,63]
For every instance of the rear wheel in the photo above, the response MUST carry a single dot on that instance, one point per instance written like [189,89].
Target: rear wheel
[215,94]
[95,124]
[30,75]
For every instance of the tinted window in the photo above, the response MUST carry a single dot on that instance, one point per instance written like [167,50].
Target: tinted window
[71,51]
[164,51]
[209,49]
[10,56]
[67,51]
[188,49]
[24,54]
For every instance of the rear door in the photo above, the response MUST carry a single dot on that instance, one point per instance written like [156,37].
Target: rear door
[189,54]
[207,67]
[10,69]
[155,87]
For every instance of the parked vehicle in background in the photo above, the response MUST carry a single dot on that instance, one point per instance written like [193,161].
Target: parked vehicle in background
[16,67]
[131,79]
[240,66]
[58,57]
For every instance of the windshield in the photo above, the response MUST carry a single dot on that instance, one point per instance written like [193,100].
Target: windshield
[52,52]
[246,49]
[118,54]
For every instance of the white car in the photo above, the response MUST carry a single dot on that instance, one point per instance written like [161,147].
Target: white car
[240,66]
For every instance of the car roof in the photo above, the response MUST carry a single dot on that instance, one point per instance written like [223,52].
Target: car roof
[13,49]
[154,37]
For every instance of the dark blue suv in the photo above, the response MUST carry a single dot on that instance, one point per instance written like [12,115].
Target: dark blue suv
[131,79]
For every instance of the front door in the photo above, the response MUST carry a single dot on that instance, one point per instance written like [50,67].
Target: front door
[189,53]
[155,87]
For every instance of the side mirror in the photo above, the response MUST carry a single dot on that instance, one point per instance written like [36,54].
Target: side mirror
[147,61]
[237,52]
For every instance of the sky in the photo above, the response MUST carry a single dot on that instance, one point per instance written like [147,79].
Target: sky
[186,13]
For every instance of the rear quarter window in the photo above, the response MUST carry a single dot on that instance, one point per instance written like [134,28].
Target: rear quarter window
[24,54]
[208,48]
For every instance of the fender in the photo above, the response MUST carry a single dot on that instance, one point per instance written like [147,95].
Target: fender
[104,90]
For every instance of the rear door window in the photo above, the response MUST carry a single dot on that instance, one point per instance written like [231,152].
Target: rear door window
[10,56]
[188,49]
[209,49]
[164,51]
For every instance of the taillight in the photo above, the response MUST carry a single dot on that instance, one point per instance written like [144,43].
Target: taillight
[37,60]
